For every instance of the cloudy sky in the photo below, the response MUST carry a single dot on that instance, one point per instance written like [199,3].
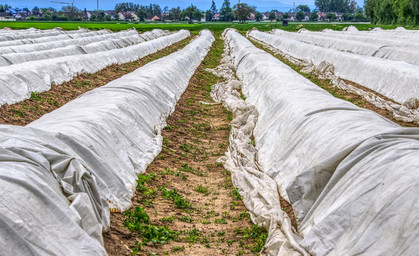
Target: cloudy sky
[262,5]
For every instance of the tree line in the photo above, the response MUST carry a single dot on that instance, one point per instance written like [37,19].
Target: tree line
[393,11]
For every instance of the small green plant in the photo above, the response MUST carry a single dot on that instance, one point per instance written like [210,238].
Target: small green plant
[242,96]
[186,219]
[135,220]
[35,96]
[185,147]
[168,219]
[235,194]
[202,189]
[178,248]
[180,201]
[256,234]
[220,221]
[143,179]
[186,168]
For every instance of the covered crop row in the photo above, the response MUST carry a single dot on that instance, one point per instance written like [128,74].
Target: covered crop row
[350,174]
[108,42]
[413,44]
[376,49]
[52,44]
[396,80]
[59,174]
[55,36]
[18,81]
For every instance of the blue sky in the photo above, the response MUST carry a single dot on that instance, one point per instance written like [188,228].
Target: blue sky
[262,5]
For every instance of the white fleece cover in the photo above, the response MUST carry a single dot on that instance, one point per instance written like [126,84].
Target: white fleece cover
[18,81]
[375,49]
[351,175]
[58,173]
[396,80]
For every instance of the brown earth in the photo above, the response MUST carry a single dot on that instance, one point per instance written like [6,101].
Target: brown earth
[24,112]
[335,91]
[213,220]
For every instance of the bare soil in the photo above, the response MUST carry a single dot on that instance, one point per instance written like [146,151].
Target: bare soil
[24,112]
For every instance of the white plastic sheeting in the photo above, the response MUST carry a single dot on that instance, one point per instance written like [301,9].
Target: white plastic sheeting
[350,175]
[396,80]
[108,43]
[48,45]
[391,41]
[54,37]
[391,52]
[58,173]
[18,81]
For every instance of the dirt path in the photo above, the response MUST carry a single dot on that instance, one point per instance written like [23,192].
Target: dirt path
[24,112]
[190,204]
[335,91]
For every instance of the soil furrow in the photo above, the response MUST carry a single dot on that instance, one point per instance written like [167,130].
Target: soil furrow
[191,204]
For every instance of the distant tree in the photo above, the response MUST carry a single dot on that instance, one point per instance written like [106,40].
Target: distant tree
[191,12]
[322,5]
[32,18]
[93,17]
[285,16]
[300,15]
[170,16]
[36,11]
[47,17]
[272,16]
[116,17]
[213,7]
[331,16]
[176,13]
[352,6]
[415,9]
[314,16]
[2,8]
[71,12]
[127,7]
[303,8]
[347,16]
[258,16]
[108,18]
[208,15]
[226,12]
[242,12]
[359,17]
[142,14]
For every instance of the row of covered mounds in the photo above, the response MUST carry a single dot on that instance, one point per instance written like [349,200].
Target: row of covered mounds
[36,71]
[60,175]
[350,174]
[376,60]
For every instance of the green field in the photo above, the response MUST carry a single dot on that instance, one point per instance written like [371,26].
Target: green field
[213,26]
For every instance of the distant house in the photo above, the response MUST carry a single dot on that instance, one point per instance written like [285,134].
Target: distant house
[111,13]
[6,16]
[322,16]
[128,16]
[216,17]
[155,18]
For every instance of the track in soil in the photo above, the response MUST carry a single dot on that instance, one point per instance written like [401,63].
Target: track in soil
[189,196]
[29,110]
